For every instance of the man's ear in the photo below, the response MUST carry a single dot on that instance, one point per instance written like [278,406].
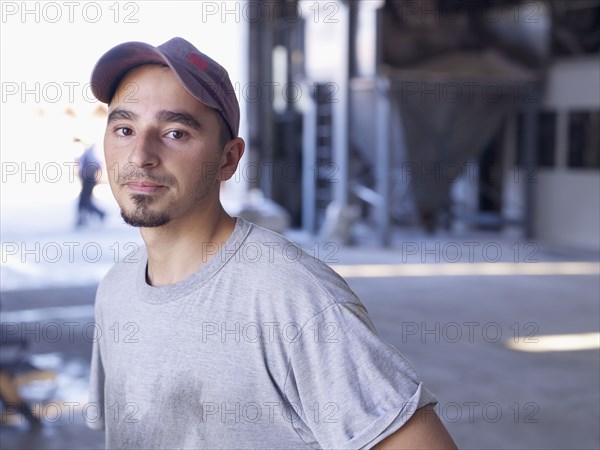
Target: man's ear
[232,153]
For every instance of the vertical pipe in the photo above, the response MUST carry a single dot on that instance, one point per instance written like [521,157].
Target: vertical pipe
[530,133]
[340,115]
[309,169]
[382,159]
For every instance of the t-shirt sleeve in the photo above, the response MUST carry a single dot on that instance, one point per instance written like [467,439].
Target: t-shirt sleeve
[347,387]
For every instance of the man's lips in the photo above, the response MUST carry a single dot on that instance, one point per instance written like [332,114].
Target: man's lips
[144,186]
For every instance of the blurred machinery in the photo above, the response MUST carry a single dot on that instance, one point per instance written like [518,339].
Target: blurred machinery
[419,112]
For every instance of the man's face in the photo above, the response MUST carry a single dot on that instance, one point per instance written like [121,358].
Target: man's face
[162,148]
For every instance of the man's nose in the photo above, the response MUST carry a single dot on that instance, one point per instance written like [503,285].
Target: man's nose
[144,152]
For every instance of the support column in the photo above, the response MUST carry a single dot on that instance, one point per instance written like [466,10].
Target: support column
[383,159]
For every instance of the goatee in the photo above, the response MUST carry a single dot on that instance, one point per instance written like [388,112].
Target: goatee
[141,216]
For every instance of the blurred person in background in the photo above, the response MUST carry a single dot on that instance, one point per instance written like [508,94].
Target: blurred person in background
[89,171]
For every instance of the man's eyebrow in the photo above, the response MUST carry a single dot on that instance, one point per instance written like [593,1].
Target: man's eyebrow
[180,117]
[121,114]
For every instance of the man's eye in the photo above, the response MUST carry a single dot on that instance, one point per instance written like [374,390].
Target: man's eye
[124,131]
[176,134]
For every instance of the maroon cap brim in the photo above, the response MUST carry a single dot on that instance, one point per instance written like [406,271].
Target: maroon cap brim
[114,64]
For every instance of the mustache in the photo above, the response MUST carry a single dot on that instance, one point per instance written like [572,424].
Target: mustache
[143,175]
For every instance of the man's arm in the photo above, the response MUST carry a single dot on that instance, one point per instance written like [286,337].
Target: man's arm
[424,430]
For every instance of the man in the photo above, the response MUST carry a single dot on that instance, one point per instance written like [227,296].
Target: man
[218,333]
[89,170]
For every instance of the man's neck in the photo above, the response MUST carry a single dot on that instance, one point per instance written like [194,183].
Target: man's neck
[180,248]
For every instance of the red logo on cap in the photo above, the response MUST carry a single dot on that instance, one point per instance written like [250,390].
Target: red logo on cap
[199,62]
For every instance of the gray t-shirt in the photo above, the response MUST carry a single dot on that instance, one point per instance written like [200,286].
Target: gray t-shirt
[263,347]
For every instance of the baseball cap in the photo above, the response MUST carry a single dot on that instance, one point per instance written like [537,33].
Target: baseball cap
[199,74]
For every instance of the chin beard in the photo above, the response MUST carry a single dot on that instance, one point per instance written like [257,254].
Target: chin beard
[141,216]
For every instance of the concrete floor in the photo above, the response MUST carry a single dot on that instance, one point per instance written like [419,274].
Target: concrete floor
[454,329]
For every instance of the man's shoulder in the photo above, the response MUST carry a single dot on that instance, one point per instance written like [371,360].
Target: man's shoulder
[276,262]
[272,251]
[124,272]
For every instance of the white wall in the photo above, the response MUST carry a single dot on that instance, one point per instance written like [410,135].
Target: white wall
[567,200]
[567,207]
[574,83]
